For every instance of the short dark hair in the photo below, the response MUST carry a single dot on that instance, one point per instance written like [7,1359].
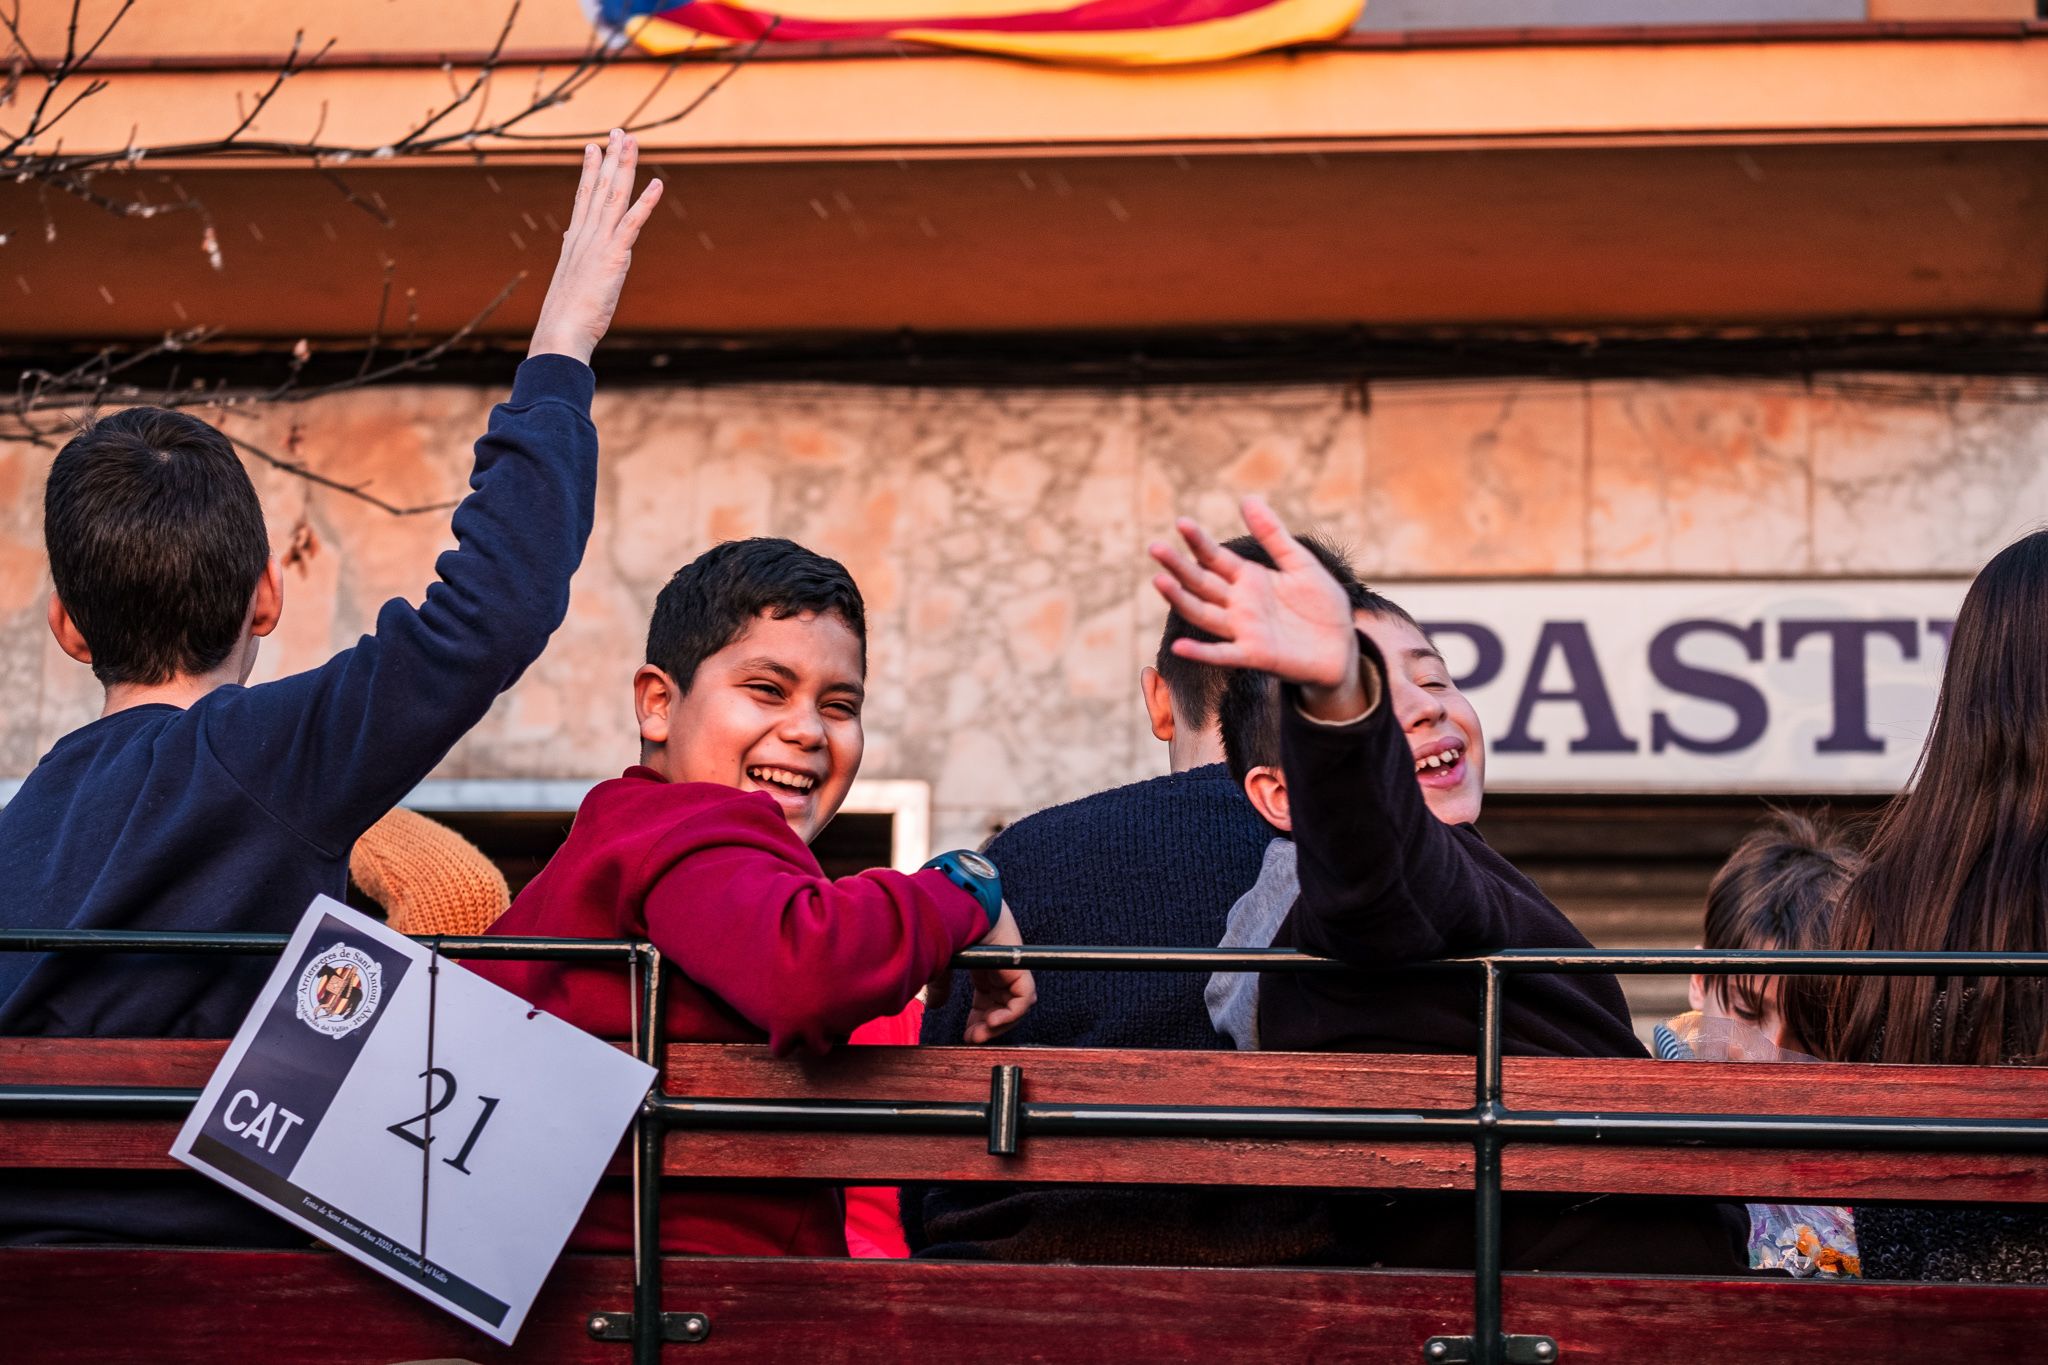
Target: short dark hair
[711,600]
[1778,889]
[156,543]
[1197,688]
[1250,710]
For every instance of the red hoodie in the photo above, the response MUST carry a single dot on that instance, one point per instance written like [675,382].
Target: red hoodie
[765,947]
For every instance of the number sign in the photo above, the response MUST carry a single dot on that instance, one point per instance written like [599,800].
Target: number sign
[414,1115]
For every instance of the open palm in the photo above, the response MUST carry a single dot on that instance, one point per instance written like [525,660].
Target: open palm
[1292,620]
[597,250]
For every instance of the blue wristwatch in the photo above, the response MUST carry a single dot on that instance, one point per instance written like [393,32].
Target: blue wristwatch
[975,875]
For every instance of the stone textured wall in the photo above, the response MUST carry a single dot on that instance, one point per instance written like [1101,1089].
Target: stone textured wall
[999,535]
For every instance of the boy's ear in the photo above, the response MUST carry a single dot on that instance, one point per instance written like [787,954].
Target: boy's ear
[1696,993]
[266,607]
[654,693]
[69,638]
[1266,786]
[1158,702]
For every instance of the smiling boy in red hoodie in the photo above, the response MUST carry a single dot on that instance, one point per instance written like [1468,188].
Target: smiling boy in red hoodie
[750,735]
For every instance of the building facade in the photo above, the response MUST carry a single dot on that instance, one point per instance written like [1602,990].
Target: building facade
[1750,302]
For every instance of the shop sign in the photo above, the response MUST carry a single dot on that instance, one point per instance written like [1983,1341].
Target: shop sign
[1724,685]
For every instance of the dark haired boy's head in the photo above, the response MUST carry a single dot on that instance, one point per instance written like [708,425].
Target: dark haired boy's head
[1184,697]
[1442,730]
[1777,890]
[158,552]
[756,665]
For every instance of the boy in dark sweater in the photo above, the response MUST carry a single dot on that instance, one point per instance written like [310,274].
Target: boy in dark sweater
[1381,763]
[1153,864]
[197,803]
[750,734]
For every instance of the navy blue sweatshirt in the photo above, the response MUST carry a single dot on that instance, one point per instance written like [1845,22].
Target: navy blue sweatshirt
[1156,864]
[233,813]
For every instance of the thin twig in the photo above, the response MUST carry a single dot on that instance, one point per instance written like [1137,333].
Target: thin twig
[383,219]
[483,74]
[314,476]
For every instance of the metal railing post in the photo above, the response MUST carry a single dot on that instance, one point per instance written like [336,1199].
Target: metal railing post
[648,1133]
[1486,1251]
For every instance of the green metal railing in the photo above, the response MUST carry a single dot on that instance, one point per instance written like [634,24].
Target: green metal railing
[1488,1123]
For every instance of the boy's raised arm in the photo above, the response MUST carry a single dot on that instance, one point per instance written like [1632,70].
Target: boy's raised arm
[328,751]
[1382,880]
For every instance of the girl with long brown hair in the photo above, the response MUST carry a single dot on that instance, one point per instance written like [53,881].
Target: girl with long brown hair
[1959,860]
[1958,863]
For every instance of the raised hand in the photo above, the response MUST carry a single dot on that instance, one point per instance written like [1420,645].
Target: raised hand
[597,249]
[1292,620]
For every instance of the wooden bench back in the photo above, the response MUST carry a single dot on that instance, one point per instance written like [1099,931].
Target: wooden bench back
[65,1305]
[1319,1081]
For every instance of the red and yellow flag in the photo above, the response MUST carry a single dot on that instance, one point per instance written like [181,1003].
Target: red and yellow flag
[1107,32]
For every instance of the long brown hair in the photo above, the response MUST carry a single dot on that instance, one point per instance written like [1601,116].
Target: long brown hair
[1959,860]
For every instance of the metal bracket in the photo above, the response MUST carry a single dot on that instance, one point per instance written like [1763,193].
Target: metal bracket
[684,1327]
[1005,1108]
[1516,1350]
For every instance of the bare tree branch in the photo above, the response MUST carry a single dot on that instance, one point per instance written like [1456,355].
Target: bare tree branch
[21,160]
[359,491]
[47,404]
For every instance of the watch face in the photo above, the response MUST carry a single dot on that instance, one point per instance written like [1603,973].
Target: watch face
[975,865]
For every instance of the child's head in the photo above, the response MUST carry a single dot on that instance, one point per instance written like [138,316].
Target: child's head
[1184,697]
[1441,727]
[756,660]
[1778,889]
[157,550]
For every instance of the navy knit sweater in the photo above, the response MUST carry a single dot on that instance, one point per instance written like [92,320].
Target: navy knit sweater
[233,813]
[1154,864]
[1157,864]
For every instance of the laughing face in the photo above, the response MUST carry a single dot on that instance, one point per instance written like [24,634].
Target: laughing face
[777,711]
[1441,726]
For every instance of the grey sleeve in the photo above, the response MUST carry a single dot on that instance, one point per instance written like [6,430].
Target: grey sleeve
[1233,997]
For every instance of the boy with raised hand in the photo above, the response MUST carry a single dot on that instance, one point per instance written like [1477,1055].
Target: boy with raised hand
[1153,864]
[195,802]
[1380,782]
[749,709]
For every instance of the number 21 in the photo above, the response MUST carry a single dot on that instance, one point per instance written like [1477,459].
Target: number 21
[403,1127]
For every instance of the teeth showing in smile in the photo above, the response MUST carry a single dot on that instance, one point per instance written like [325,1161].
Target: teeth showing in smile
[1447,759]
[783,777]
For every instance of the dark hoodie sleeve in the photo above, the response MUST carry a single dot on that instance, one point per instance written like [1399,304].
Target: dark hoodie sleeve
[1383,881]
[329,751]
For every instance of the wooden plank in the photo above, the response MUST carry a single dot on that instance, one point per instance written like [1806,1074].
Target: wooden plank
[1079,1076]
[202,1307]
[870,1158]
[1121,1076]
[184,1063]
[1776,1176]
[1320,1080]
[884,1159]
[1613,1085]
